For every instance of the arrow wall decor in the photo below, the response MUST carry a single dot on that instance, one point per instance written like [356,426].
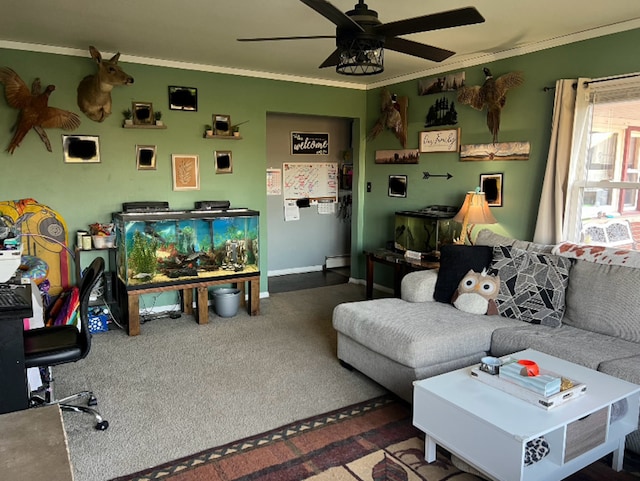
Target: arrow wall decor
[427,175]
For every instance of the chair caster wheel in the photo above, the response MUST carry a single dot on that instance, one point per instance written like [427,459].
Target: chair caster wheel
[93,401]
[102,426]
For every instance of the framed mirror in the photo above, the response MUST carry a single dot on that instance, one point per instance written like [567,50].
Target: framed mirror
[146,157]
[223,161]
[81,149]
[183,98]
[142,113]
[397,186]
[221,124]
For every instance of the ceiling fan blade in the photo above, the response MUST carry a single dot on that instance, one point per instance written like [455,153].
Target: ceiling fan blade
[435,21]
[417,49]
[330,12]
[332,60]
[262,39]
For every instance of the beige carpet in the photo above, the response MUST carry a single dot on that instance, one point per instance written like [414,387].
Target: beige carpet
[180,387]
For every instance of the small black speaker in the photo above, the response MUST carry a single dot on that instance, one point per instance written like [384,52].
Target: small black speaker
[108,286]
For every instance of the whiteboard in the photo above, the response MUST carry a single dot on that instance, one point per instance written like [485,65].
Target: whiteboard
[316,181]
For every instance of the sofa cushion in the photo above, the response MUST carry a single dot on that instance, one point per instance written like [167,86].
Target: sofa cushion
[489,238]
[625,368]
[605,299]
[598,254]
[419,286]
[532,285]
[586,348]
[455,262]
[416,335]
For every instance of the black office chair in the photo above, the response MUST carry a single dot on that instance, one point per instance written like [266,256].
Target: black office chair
[48,346]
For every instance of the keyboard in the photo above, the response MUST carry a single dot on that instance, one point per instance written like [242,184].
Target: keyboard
[14,297]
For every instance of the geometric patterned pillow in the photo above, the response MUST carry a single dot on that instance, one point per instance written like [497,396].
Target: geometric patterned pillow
[532,285]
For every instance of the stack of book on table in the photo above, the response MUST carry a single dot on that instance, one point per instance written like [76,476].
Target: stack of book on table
[543,390]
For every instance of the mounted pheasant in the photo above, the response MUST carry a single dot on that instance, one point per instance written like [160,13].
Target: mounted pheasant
[393,116]
[94,91]
[35,112]
[492,95]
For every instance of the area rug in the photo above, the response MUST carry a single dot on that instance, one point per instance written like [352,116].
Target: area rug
[370,441]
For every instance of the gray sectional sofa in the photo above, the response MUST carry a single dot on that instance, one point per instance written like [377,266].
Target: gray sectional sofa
[396,341]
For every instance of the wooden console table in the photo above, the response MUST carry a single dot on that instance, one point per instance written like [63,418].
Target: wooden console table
[401,266]
[132,296]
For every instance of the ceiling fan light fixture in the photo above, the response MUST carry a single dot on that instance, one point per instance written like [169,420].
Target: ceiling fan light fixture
[361,56]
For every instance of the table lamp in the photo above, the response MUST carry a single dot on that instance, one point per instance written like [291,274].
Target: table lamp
[474,210]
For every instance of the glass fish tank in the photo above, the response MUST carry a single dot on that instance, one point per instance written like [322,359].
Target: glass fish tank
[167,247]
[426,230]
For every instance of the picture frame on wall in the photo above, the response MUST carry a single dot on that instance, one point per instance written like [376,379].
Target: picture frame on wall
[221,124]
[445,140]
[398,156]
[183,98]
[223,161]
[185,169]
[146,157]
[492,186]
[142,113]
[81,149]
[397,186]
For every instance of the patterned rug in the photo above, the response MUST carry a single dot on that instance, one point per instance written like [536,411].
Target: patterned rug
[370,441]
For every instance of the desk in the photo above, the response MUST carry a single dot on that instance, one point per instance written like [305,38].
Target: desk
[400,264]
[34,445]
[14,394]
[132,296]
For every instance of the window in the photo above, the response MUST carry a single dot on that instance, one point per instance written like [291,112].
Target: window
[603,201]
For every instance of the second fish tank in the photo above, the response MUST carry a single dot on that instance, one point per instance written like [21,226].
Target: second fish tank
[426,230]
[166,247]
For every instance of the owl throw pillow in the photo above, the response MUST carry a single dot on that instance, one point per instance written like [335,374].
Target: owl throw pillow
[477,292]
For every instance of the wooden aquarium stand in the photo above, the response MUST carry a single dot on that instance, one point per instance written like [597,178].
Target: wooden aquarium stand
[132,296]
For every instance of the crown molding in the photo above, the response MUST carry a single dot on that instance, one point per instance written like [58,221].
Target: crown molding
[469,61]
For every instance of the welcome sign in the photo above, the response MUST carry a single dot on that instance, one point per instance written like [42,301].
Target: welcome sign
[309,143]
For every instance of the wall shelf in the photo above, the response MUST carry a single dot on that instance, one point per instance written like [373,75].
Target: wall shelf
[225,137]
[145,126]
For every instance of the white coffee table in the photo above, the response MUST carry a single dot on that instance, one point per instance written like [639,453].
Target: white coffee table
[489,428]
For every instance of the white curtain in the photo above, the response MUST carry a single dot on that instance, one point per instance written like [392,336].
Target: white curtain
[554,189]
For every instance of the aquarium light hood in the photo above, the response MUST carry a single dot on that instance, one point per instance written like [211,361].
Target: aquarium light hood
[145,206]
[212,204]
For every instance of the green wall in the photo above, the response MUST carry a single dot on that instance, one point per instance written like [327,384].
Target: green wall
[526,117]
[84,194]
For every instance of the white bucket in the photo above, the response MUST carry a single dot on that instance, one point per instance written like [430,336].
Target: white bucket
[226,301]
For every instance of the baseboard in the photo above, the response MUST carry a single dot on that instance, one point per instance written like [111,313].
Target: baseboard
[294,270]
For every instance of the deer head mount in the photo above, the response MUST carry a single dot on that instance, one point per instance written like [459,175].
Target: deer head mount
[94,91]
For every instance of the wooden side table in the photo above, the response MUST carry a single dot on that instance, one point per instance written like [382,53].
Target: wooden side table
[400,264]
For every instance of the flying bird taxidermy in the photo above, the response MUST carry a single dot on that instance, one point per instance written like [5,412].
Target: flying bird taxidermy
[492,95]
[35,112]
[94,91]
[393,116]
[477,292]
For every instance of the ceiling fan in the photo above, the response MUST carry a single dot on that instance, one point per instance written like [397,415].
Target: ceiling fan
[361,38]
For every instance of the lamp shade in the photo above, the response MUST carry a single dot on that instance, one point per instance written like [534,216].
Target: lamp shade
[474,210]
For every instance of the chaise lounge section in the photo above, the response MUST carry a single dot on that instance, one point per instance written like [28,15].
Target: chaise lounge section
[593,318]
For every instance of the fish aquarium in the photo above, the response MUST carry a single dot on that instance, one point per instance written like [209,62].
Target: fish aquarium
[168,247]
[425,230]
